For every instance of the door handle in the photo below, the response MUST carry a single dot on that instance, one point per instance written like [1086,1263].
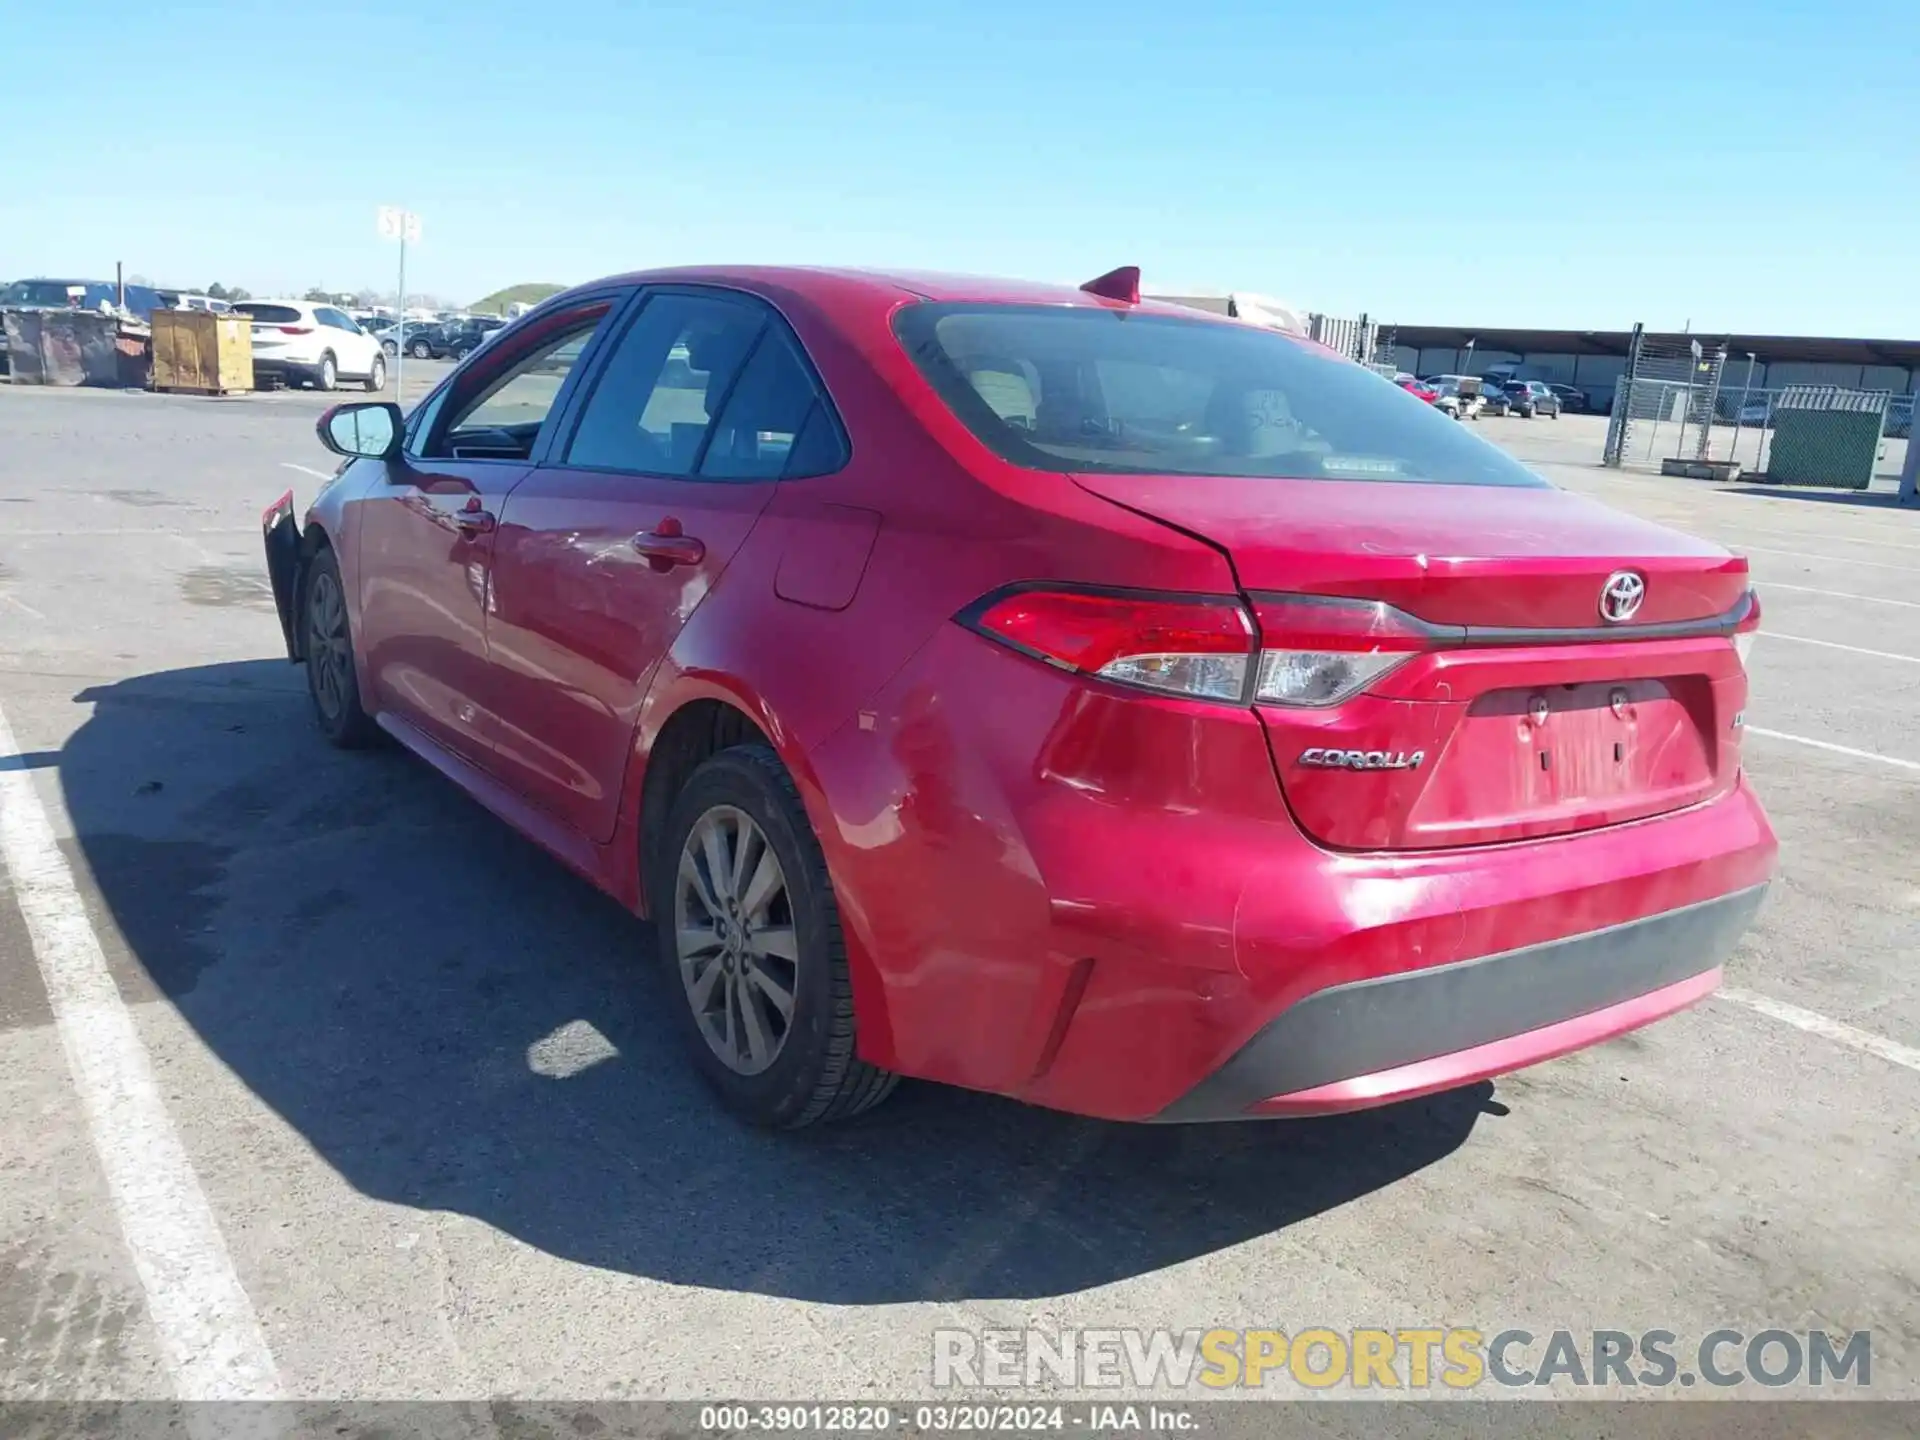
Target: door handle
[474,522]
[669,546]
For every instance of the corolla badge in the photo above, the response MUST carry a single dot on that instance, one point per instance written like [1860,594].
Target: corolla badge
[1363,759]
[1620,597]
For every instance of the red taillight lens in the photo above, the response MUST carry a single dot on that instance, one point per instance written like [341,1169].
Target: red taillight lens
[296,329]
[1201,647]
[1319,650]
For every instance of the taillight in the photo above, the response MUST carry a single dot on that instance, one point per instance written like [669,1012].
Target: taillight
[1320,650]
[296,329]
[1199,646]
[1748,630]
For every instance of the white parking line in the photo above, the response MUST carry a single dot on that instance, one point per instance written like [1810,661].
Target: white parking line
[1828,535]
[206,1324]
[1815,1023]
[1893,760]
[1843,595]
[305,470]
[1836,645]
[1830,559]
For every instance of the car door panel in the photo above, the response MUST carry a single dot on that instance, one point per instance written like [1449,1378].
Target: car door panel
[607,549]
[582,617]
[425,543]
[428,535]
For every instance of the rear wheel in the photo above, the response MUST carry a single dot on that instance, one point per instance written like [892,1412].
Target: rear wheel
[328,642]
[420,350]
[329,376]
[377,377]
[750,930]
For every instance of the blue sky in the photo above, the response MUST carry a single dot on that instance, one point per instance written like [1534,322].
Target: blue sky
[1750,166]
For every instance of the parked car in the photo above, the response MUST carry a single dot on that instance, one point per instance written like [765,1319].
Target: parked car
[425,340]
[1493,398]
[1528,398]
[1899,424]
[141,300]
[298,342]
[883,761]
[1450,398]
[1572,399]
[464,339]
[1419,389]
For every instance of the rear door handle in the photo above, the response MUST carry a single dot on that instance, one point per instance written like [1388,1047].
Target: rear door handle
[666,548]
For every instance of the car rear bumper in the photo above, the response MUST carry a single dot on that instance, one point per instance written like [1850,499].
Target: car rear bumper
[286,369]
[1103,903]
[1391,1038]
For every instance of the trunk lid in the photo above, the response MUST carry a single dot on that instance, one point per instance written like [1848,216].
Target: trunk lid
[1525,712]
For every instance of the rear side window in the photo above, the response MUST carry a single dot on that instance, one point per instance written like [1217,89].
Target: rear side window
[1095,390]
[269,314]
[652,405]
[764,433]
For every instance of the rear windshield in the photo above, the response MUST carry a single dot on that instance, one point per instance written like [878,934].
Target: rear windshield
[1095,390]
[269,314]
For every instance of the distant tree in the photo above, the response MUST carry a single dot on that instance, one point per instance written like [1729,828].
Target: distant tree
[237,294]
[318,295]
[138,280]
[217,291]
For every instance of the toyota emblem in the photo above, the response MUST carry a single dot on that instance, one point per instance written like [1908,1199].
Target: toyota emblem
[1620,597]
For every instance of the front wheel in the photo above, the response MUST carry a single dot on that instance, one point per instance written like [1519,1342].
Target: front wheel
[420,350]
[377,377]
[332,684]
[750,930]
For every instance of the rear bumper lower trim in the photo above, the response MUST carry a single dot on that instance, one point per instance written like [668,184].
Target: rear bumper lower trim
[1498,1057]
[1353,1034]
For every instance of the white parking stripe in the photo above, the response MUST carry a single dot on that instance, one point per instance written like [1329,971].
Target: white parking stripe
[1843,595]
[1815,1023]
[305,470]
[1830,559]
[1893,760]
[1825,536]
[1836,645]
[206,1324]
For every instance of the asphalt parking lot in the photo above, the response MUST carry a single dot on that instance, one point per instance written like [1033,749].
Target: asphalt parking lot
[425,1082]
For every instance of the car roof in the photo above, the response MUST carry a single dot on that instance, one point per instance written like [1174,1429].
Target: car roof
[823,284]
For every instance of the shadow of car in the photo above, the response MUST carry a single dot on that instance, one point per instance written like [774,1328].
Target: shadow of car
[454,1022]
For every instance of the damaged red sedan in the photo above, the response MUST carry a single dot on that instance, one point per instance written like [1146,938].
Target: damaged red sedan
[1044,691]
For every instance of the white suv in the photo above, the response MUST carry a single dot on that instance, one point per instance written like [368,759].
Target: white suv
[296,341]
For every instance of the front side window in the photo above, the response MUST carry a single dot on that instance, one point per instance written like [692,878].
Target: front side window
[1066,388]
[502,417]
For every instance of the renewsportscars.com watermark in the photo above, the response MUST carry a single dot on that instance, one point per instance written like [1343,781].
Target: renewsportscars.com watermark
[1414,1359]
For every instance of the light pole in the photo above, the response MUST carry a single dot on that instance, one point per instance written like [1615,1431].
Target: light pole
[401,225]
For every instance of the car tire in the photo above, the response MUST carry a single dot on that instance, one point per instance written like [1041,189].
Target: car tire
[327,643]
[722,957]
[390,347]
[327,377]
[420,350]
[377,377]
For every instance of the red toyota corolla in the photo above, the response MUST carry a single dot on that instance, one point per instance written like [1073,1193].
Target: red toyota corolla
[1044,691]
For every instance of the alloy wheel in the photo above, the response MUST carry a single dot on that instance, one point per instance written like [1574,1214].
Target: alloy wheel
[734,934]
[329,653]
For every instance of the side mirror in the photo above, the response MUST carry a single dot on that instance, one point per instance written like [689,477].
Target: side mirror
[369,431]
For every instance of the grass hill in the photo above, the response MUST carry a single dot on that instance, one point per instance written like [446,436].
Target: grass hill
[496,303]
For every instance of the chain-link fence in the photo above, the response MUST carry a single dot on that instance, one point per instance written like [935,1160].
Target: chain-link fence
[1819,435]
[1681,409]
